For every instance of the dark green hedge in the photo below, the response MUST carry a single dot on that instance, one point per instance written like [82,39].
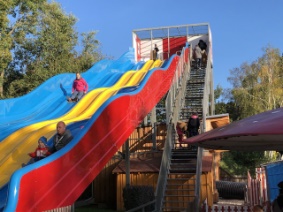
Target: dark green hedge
[135,196]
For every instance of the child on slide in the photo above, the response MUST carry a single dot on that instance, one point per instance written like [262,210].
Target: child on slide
[40,152]
[79,88]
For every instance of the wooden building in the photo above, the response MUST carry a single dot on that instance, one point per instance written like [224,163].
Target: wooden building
[145,163]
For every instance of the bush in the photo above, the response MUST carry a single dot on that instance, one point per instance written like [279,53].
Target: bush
[135,196]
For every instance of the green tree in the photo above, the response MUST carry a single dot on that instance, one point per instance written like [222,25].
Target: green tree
[90,52]
[15,15]
[257,87]
[45,46]
[224,103]
[239,162]
[42,47]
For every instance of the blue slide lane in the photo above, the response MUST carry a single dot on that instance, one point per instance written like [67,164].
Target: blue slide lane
[78,129]
[103,74]
[49,99]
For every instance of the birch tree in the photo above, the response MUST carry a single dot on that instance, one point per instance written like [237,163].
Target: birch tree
[257,87]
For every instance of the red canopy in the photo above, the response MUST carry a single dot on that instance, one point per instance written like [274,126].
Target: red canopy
[260,132]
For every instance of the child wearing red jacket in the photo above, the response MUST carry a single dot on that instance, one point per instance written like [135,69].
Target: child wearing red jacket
[79,88]
[40,152]
[180,128]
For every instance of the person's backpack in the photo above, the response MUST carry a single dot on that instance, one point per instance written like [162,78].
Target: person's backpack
[193,123]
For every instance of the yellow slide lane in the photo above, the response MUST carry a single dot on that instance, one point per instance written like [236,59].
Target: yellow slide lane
[127,76]
[14,148]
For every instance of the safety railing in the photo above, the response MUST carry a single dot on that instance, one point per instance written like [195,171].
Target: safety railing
[142,207]
[174,102]
[208,90]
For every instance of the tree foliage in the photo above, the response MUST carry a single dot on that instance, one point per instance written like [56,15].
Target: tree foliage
[15,17]
[224,103]
[40,41]
[257,87]
[239,162]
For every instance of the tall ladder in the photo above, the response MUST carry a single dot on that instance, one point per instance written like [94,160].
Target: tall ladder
[181,174]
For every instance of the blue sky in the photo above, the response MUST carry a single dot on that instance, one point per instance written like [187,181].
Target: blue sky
[240,28]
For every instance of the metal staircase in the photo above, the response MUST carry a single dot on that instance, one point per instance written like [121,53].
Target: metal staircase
[181,177]
[194,93]
[180,186]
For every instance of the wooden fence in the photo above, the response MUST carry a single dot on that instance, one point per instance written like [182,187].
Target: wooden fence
[257,191]
[238,208]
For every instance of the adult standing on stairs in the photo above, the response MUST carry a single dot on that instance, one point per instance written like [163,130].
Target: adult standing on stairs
[198,56]
[193,125]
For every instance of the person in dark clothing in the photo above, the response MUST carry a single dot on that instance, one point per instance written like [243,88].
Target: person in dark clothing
[193,125]
[277,205]
[62,137]
[155,52]
[202,45]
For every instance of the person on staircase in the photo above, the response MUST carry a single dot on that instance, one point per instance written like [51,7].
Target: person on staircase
[181,128]
[193,125]
[198,55]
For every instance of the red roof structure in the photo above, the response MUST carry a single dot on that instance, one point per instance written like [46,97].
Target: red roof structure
[260,132]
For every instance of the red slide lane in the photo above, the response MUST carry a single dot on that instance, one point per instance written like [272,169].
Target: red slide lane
[61,182]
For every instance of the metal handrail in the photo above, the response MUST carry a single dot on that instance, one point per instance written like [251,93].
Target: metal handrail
[142,206]
[173,103]
[205,111]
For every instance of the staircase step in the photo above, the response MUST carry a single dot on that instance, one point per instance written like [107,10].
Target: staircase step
[189,160]
[180,185]
[183,167]
[184,189]
[179,179]
[185,156]
[173,171]
[183,164]
[183,152]
[180,157]
[181,195]
[184,175]
[180,150]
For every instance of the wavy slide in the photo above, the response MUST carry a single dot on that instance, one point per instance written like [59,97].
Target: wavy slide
[46,101]
[113,114]
[19,143]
